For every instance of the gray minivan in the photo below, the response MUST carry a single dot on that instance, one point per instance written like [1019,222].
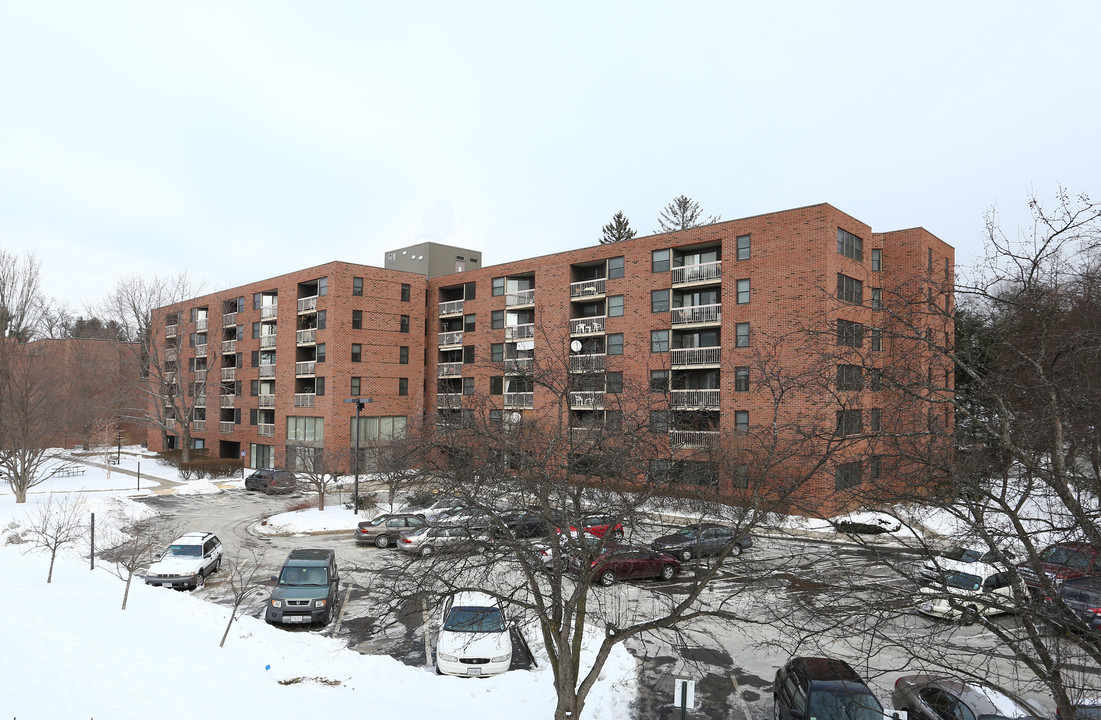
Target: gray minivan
[305,590]
[272,482]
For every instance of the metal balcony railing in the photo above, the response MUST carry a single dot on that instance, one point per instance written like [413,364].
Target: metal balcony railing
[229,373]
[587,288]
[587,326]
[200,350]
[200,325]
[450,401]
[697,273]
[172,354]
[267,312]
[682,357]
[265,429]
[454,337]
[227,401]
[198,426]
[520,332]
[520,400]
[694,398]
[305,368]
[267,371]
[449,369]
[587,363]
[307,304]
[267,342]
[266,401]
[229,347]
[170,377]
[518,365]
[693,438]
[451,307]
[520,297]
[697,314]
[200,376]
[587,399]
[306,337]
[200,401]
[171,330]
[304,399]
[229,319]
[226,427]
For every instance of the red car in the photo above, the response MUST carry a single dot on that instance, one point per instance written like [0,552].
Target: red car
[624,562]
[599,526]
[1062,561]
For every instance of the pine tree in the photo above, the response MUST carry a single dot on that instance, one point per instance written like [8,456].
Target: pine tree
[618,229]
[683,213]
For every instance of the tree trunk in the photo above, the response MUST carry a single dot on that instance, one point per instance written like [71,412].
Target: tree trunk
[20,495]
[50,575]
[320,499]
[126,592]
[232,617]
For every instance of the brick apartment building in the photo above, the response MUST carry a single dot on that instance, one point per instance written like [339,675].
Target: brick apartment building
[706,317]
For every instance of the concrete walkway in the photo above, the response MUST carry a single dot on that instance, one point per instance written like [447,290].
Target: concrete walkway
[165,486]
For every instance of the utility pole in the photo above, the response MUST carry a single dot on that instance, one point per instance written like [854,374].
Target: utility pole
[355,461]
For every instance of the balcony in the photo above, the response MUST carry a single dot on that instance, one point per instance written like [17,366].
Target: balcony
[703,272]
[520,400]
[229,373]
[306,337]
[269,312]
[518,365]
[267,371]
[451,307]
[451,369]
[449,401]
[226,427]
[454,337]
[266,401]
[229,347]
[520,297]
[690,357]
[200,376]
[587,400]
[304,399]
[265,429]
[172,354]
[198,426]
[694,398]
[267,342]
[697,314]
[587,326]
[200,325]
[170,377]
[519,332]
[587,363]
[307,304]
[693,438]
[227,401]
[200,350]
[229,319]
[303,368]
[200,401]
[587,288]
[171,330]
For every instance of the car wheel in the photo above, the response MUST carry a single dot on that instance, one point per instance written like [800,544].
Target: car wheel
[438,671]
[685,555]
[607,578]
[427,550]
[327,617]
[200,580]
[617,535]
[969,615]
[667,572]
[217,565]
[736,551]
[776,707]
[382,541]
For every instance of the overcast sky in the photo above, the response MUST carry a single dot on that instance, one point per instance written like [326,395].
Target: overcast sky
[244,140]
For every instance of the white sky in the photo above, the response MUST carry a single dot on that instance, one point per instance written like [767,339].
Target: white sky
[244,140]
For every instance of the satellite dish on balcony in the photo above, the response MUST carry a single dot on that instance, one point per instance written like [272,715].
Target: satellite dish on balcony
[575,346]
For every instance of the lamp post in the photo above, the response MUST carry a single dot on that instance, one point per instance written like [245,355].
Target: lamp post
[355,462]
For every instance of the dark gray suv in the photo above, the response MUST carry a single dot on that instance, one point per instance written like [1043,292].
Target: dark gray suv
[272,482]
[306,589]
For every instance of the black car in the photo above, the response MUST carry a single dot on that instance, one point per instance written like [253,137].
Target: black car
[533,522]
[818,688]
[272,482]
[1080,606]
[702,540]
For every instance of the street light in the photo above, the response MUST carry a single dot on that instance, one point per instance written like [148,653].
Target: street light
[355,463]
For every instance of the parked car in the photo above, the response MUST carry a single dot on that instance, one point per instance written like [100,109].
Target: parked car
[272,482]
[927,697]
[187,562]
[443,508]
[930,569]
[306,588]
[474,639]
[1061,562]
[532,522]
[1081,605]
[702,540]
[816,688]
[598,526]
[623,562]
[385,530]
[430,539]
[967,590]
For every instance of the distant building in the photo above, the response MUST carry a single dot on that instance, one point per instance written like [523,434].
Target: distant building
[432,259]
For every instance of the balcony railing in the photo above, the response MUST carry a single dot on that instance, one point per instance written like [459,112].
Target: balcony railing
[590,399]
[587,326]
[307,304]
[172,354]
[200,401]
[200,350]
[304,399]
[697,273]
[518,365]
[587,363]
[449,369]
[520,400]
[229,319]
[451,307]
[587,288]
[697,314]
[267,342]
[171,330]
[200,376]
[267,371]
[519,332]
[226,427]
[693,438]
[520,297]
[694,398]
[227,401]
[304,368]
[265,429]
[229,346]
[455,337]
[170,377]
[198,426]
[229,373]
[682,357]
[200,325]
[450,401]
[306,337]
[266,401]
[267,312]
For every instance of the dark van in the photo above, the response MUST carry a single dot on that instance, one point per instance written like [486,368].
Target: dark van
[272,482]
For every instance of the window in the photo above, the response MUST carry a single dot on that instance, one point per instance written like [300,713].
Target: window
[849,422]
[305,429]
[403,386]
[741,421]
[741,476]
[659,421]
[741,335]
[850,377]
[497,352]
[877,260]
[877,298]
[615,306]
[659,381]
[659,301]
[496,416]
[405,323]
[255,330]
[468,354]
[383,428]
[405,292]
[497,385]
[613,383]
[357,319]
[741,379]
[498,287]
[323,286]
[615,344]
[850,245]
[357,352]
[319,386]
[850,334]
[357,287]
[850,289]
[403,355]
[659,341]
[615,267]
[320,352]
[659,261]
[497,319]
[876,420]
[877,339]
[743,247]
[743,291]
[930,251]
[848,475]
[875,379]
[468,386]
[947,271]
[468,323]
[254,388]
[357,384]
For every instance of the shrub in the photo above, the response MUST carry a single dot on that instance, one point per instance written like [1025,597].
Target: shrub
[420,498]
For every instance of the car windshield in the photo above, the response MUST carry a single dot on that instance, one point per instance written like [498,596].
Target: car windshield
[419,531]
[966,555]
[474,619]
[377,521]
[1066,557]
[844,704]
[303,576]
[963,581]
[185,551]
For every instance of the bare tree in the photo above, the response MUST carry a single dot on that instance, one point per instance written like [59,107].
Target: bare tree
[683,213]
[134,547]
[57,523]
[319,470]
[30,405]
[21,298]
[242,578]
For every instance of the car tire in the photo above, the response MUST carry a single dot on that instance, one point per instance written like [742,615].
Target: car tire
[382,541]
[736,551]
[969,615]
[776,707]
[607,578]
[327,617]
[667,572]
[427,550]
[200,580]
[437,666]
[217,565]
[685,555]
[617,535]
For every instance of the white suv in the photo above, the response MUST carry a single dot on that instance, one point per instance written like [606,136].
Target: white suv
[187,562]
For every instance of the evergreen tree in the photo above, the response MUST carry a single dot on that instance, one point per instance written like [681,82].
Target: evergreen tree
[618,229]
[683,213]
